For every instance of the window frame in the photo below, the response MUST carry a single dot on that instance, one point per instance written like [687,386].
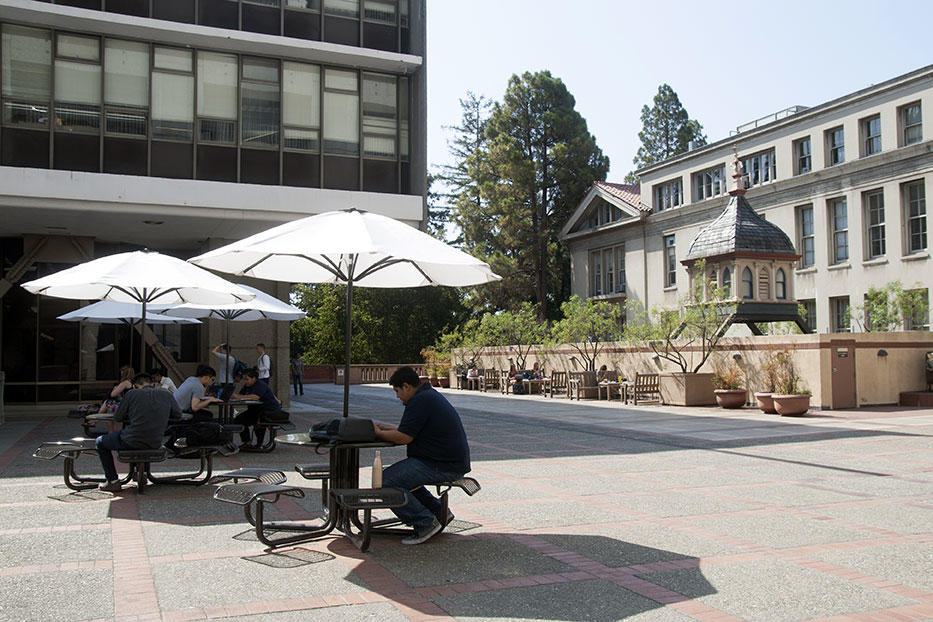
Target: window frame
[668,194]
[835,151]
[780,284]
[763,167]
[905,127]
[838,230]
[799,157]
[871,139]
[915,226]
[806,239]
[705,182]
[873,205]
[669,244]
[748,284]
[840,313]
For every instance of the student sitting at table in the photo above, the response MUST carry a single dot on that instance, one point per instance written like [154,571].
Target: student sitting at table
[190,395]
[124,384]
[161,381]
[267,406]
[145,412]
[603,374]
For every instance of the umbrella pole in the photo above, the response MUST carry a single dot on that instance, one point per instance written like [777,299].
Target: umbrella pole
[227,342]
[142,337]
[346,365]
[132,324]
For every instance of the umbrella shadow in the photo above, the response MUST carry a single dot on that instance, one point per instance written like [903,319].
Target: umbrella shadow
[548,576]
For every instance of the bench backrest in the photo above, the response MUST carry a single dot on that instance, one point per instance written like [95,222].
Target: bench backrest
[647,382]
[559,379]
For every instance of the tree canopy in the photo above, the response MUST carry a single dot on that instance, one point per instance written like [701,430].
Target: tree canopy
[518,176]
[667,129]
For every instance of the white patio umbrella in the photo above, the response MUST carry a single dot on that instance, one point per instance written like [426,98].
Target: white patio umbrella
[350,247]
[142,277]
[109,312]
[262,307]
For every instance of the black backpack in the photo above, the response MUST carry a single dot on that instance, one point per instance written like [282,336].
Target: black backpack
[205,433]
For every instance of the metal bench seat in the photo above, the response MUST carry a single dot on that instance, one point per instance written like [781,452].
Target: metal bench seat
[139,461]
[255,474]
[244,494]
[272,428]
[70,451]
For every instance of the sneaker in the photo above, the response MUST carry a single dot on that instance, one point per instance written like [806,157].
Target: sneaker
[113,486]
[425,534]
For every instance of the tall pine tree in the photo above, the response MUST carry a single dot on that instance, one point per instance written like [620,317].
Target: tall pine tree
[667,130]
[535,161]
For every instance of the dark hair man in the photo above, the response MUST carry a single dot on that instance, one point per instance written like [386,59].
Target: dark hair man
[190,395]
[146,411]
[437,452]
[254,389]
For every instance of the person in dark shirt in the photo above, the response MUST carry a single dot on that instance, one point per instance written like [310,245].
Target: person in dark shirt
[266,401]
[146,411]
[437,451]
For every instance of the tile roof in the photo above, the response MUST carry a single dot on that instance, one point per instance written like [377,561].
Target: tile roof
[630,193]
[740,229]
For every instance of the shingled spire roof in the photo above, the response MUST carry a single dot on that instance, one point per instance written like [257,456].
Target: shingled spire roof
[739,229]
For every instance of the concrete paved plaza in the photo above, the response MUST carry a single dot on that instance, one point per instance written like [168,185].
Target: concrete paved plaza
[589,511]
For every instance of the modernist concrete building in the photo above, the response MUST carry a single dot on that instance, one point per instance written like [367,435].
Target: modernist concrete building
[181,125]
[846,181]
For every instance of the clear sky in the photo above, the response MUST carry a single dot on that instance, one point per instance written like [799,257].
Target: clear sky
[729,62]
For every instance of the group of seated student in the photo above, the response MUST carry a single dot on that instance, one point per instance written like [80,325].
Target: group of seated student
[517,378]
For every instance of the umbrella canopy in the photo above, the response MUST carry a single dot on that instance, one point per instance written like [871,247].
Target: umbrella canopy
[144,277]
[262,307]
[349,247]
[109,312]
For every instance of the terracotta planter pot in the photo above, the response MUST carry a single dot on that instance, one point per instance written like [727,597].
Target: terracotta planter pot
[435,382]
[445,382]
[791,405]
[730,398]
[765,403]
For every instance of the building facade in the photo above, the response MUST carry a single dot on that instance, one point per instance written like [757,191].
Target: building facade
[846,181]
[182,125]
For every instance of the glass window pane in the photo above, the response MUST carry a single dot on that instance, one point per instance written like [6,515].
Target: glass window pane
[260,113]
[217,83]
[172,106]
[84,48]
[341,123]
[301,94]
[379,11]
[403,117]
[27,63]
[314,5]
[379,124]
[126,73]
[301,139]
[340,80]
[266,70]
[172,59]
[342,8]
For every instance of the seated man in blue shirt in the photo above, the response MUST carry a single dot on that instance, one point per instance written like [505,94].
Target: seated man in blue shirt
[145,411]
[437,452]
[266,402]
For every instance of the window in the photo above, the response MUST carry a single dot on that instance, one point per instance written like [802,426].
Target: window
[172,94]
[27,75]
[301,106]
[748,283]
[802,162]
[259,101]
[780,284]
[670,261]
[126,87]
[760,168]
[839,217]
[596,273]
[835,146]
[342,8]
[77,82]
[668,195]
[217,86]
[874,220]
[871,135]
[341,112]
[379,116]
[839,307]
[764,284]
[809,312]
[805,229]
[709,183]
[403,115]
[379,11]
[726,283]
[915,216]
[911,124]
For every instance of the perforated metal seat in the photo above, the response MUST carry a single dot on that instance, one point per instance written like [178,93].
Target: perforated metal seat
[244,494]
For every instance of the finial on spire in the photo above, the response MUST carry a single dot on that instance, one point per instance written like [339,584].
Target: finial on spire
[739,174]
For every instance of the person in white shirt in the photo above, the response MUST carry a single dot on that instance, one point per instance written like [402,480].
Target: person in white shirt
[263,363]
[225,373]
[160,380]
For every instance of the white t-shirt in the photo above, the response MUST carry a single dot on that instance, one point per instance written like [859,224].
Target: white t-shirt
[263,364]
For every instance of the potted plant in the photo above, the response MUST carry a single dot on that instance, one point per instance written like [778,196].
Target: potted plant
[729,386]
[764,398]
[791,398]
[429,355]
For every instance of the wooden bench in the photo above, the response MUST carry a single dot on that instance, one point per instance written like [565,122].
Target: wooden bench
[582,384]
[490,379]
[645,388]
[557,381]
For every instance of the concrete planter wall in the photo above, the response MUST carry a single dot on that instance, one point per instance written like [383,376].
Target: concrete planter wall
[680,389]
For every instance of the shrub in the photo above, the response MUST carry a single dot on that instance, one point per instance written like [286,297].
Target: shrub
[728,377]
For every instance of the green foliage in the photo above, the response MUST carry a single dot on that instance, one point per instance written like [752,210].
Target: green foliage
[520,329]
[667,129]
[389,325]
[586,325]
[891,307]
[688,335]
[518,186]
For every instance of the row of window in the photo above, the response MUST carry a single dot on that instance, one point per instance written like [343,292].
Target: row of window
[607,271]
[134,107]
[747,287]
[377,24]
[761,167]
[840,314]
[914,219]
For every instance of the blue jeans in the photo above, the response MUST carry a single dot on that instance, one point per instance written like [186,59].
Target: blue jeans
[105,444]
[410,475]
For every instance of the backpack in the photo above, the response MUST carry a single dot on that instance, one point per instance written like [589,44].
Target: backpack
[205,433]
[343,429]
[239,368]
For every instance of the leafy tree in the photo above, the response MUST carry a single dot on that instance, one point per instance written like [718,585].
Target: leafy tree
[667,130]
[520,329]
[389,325]
[536,160]
[889,307]
[587,324]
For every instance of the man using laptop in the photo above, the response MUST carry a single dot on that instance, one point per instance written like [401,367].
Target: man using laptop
[190,395]
[437,452]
